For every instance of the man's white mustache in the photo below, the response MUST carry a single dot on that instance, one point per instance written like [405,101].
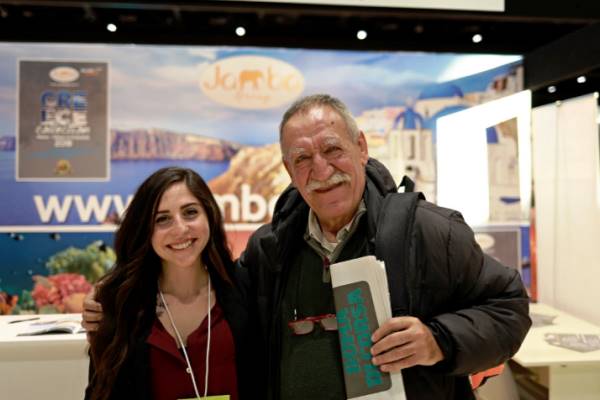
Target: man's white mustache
[336,178]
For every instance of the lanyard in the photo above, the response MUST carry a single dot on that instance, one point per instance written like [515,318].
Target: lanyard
[189,370]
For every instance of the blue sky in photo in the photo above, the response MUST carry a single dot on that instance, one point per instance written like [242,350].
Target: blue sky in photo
[157,86]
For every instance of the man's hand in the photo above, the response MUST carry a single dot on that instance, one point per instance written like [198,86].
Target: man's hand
[92,312]
[404,342]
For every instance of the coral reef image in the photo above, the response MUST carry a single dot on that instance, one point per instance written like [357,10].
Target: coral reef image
[53,273]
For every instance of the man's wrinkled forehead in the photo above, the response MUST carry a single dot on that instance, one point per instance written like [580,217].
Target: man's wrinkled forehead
[317,114]
[316,118]
[330,139]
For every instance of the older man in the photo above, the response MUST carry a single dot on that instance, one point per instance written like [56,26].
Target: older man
[466,312]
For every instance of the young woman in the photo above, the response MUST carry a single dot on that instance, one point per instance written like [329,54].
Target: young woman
[174,320]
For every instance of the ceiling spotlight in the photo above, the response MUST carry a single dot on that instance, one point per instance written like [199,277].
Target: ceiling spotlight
[551,89]
[111,27]
[477,38]
[581,79]
[361,35]
[240,31]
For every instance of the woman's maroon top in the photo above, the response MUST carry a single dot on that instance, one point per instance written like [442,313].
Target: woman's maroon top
[170,380]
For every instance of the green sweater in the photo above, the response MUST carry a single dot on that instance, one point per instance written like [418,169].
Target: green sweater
[311,365]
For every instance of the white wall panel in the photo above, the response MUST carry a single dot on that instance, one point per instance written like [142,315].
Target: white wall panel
[462,154]
[544,145]
[566,170]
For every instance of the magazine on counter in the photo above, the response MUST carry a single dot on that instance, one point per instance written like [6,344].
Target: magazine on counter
[362,304]
[582,343]
[53,327]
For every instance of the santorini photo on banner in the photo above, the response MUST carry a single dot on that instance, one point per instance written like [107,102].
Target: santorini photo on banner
[81,126]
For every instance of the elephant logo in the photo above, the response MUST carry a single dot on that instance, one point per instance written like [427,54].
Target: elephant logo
[250,76]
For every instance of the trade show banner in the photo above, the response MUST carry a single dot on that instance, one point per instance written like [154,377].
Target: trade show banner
[62,131]
[213,109]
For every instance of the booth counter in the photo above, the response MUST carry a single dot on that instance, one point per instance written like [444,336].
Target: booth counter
[49,366]
[55,366]
[570,367]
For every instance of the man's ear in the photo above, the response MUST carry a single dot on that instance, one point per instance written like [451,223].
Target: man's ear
[364,149]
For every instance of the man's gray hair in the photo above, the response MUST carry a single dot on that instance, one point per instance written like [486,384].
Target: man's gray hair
[306,103]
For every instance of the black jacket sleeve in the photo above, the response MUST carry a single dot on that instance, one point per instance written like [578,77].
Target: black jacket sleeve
[256,370]
[486,316]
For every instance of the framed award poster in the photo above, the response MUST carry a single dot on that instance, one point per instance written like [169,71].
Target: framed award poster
[62,121]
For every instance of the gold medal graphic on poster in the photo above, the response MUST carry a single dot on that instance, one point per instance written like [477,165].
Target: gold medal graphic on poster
[63,167]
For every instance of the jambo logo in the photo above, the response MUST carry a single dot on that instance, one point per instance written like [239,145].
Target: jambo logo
[251,82]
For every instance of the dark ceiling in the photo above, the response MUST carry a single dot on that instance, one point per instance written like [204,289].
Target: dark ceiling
[545,32]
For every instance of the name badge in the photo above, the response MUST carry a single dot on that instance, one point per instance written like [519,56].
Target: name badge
[221,397]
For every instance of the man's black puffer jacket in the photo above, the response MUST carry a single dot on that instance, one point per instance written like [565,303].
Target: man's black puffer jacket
[476,308]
